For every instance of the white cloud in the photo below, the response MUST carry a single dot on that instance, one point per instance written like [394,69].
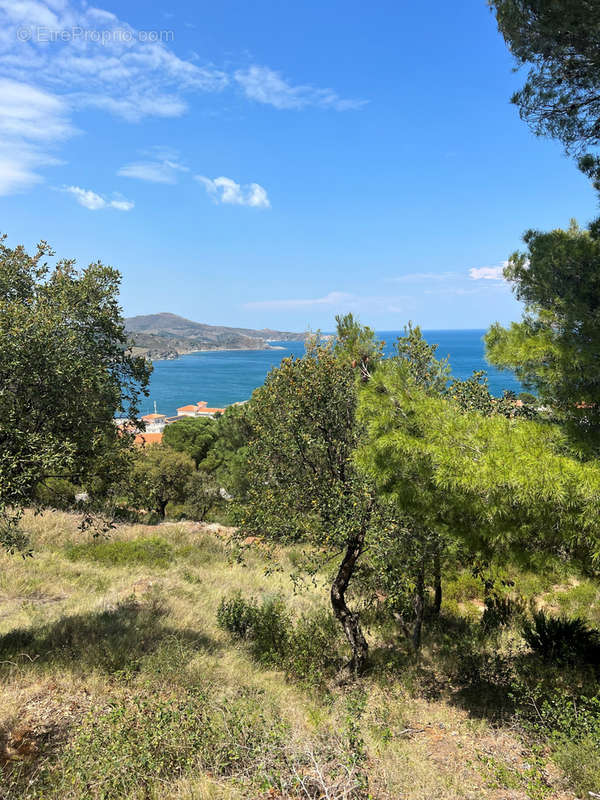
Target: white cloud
[101,62]
[163,167]
[268,86]
[85,57]
[31,122]
[225,190]
[488,273]
[93,201]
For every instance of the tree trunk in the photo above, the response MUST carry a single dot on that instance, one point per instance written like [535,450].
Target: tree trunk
[161,507]
[437,582]
[348,619]
[419,607]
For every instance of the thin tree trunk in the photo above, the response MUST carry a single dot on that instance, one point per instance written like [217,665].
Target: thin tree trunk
[419,607]
[437,582]
[161,507]
[348,619]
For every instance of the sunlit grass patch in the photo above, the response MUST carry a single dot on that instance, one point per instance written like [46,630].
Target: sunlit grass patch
[154,552]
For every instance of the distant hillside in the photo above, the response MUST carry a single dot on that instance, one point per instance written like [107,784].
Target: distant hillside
[168,336]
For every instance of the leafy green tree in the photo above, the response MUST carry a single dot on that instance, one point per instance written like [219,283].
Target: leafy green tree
[201,493]
[498,484]
[159,476]
[554,349]
[227,458]
[357,344]
[194,436]
[303,481]
[65,372]
[560,40]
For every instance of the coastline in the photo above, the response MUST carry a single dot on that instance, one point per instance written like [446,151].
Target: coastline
[223,350]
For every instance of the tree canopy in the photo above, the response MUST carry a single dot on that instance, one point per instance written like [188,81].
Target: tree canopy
[554,349]
[560,40]
[194,436]
[65,372]
[303,481]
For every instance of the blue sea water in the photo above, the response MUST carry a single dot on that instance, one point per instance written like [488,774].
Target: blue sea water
[222,377]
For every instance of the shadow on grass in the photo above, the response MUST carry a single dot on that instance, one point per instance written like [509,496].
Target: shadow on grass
[111,640]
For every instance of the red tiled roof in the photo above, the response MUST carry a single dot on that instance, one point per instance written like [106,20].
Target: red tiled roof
[148,438]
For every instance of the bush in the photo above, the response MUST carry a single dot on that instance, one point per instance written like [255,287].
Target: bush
[266,627]
[154,552]
[562,640]
[314,646]
[570,723]
[236,615]
[499,611]
[580,760]
[307,649]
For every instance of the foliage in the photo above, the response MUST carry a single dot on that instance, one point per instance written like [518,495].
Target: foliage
[227,459]
[265,626]
[122,750]
[297,646]
[159,475]
[64,373]
[356,345]
[561,639]
[153,552]
[560,40]
[193,436]
[502,484]
[303,481]
[554,348]
[201,494]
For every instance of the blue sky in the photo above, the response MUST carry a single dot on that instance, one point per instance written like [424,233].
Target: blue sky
[273,164]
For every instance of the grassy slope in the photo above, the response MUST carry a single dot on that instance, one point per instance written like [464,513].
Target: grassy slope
[115,681]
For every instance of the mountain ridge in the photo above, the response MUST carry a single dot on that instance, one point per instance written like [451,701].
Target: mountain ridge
[168,335]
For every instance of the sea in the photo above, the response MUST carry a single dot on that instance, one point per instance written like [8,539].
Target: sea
[223,377]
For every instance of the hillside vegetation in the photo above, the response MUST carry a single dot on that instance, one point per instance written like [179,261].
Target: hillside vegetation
[166,662]
[167,335]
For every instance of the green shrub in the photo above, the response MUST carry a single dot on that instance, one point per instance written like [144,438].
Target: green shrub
[570,723]
[500,610]
[153,552]
[266,627]
[314,646]
[308,649]
[126,749]
[56,493]
[236,615]
[562,640]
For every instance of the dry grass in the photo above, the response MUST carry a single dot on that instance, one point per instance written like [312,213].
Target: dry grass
[79,637]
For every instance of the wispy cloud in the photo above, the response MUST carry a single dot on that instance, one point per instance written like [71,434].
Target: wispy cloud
[331,299]
[265,85]
[488,273]
[417,277]
[163,166]
[81,56]
[338,302]
[226,190]
[95,59]
[32,122]
[93,201]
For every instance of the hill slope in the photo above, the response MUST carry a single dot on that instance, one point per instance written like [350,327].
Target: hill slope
[116,681]
[168,335]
